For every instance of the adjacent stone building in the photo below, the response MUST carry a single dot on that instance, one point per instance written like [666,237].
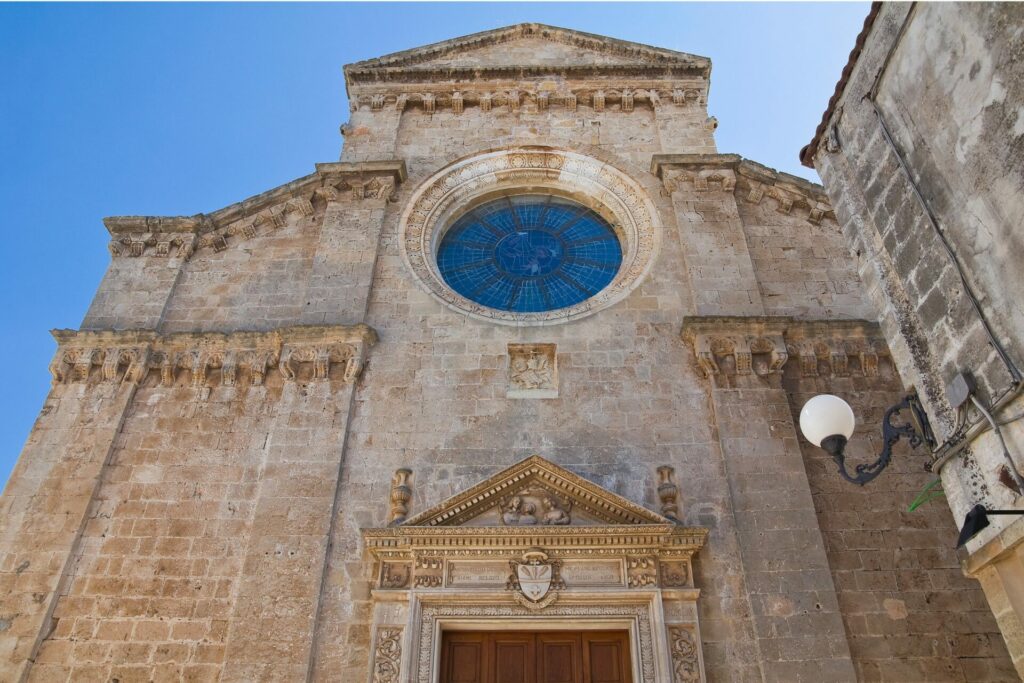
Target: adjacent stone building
[922,154]
[510,387]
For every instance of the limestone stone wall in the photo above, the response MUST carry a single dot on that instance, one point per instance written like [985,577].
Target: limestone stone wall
[909,612]
[190,502]
[947,96]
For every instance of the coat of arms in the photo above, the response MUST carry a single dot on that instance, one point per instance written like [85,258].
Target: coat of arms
[535,579]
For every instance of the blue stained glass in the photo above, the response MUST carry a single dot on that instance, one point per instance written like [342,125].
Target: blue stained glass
[529,253]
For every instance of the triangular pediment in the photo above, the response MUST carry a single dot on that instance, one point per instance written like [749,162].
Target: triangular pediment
[535,493]
[526,46]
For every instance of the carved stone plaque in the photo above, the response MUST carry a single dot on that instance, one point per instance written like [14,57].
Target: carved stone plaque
[532,371]
[477,574]
[592,573]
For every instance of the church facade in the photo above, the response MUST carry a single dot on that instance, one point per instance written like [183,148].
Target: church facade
[508,393]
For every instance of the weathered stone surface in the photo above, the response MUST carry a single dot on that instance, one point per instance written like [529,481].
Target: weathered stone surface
[927,181]
[221,445]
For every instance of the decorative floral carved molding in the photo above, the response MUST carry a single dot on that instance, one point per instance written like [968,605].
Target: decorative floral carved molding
[685,658]
[387,655]
[763,345]
[600,186]
[131,356]
[181,236]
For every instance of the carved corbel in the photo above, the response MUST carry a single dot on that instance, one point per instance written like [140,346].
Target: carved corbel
[804,351]
[457,102]
[678,97]
[400,103]
[514,99]
[328,193]
[756,193]
[138,365]
[627,100]
[570,101]
[653,98]
[741,352]
[597,101]
[486,99]
[165,361]
[376,102]
[111,361]
[428,101]
[774,348]
[81,361]
[785,201]
[705,356]
[257,363]
[299,204]
[542,101]
[838,358]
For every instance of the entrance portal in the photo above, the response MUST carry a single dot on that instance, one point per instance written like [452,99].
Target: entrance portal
[535,657]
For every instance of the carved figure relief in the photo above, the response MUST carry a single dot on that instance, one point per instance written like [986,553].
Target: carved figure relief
[685,662]
[532,371]
[522,509]
[387,655]
[394,575]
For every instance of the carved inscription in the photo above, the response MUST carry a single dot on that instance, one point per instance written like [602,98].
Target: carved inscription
[592,573]
[477,574]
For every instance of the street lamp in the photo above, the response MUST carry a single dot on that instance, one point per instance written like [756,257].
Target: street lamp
[827,421]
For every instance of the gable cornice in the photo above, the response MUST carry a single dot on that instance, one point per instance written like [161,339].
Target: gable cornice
[180,236]
[406,66]
[597,500]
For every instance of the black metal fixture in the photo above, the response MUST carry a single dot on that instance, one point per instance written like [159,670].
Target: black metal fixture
[827,421]
[976,520]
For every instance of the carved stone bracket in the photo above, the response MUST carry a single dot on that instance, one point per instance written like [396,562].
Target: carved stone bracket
[748,180]
[130,356]
[737,346]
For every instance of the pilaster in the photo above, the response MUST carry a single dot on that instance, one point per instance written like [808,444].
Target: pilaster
[357,195]
[271,635]
[796,614]
[147,253]
[715,247]
[50,498]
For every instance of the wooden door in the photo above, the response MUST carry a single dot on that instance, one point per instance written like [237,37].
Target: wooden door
[535,657]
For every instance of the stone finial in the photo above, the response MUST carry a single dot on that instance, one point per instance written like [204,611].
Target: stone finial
[401,493]
[668,492]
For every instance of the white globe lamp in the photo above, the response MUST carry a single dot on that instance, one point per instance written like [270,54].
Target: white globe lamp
[827,418]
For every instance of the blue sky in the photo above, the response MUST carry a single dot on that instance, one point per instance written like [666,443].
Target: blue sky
[176,109]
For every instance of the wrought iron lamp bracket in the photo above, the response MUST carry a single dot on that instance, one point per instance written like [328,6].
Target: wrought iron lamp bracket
[912,425]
